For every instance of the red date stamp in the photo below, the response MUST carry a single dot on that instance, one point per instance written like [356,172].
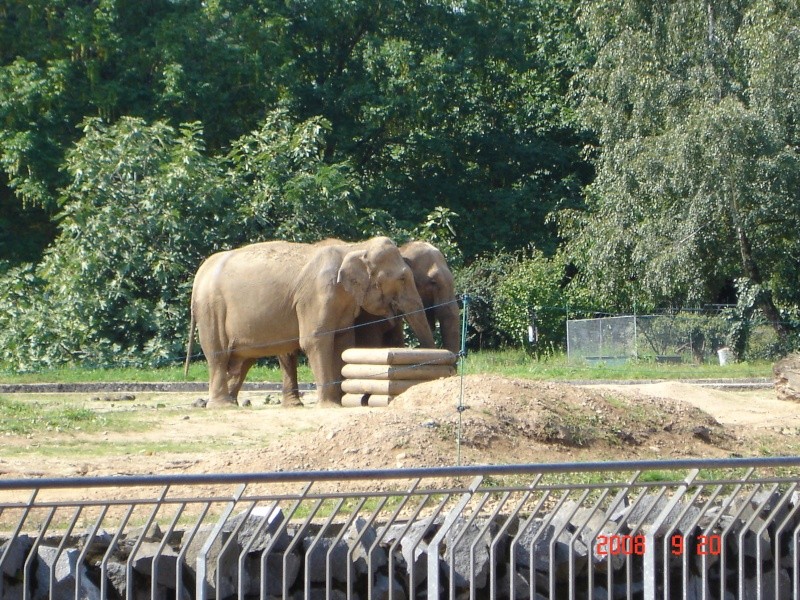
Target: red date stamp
[635,545]
[706,545]
[624,545]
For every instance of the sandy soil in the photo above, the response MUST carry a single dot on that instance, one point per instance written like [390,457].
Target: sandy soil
[502,421]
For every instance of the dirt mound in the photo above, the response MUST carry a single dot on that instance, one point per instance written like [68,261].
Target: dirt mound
[503,421]
[480,419]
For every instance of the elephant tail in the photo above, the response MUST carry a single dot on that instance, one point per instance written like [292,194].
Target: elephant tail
[189,346]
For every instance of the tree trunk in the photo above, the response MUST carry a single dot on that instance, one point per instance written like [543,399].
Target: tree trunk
[752,271]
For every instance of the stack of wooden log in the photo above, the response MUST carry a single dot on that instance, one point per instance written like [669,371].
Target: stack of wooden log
[374,376]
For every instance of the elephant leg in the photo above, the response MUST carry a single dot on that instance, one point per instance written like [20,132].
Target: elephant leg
[320,353]
[219,395]
[290,390]
[237,371]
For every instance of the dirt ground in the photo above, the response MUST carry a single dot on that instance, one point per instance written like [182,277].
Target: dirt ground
[502,421]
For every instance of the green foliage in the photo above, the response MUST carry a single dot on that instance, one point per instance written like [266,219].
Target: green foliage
[531,294]
[479,281]
[697,163]
[146,203]
[289,190]
[143,207]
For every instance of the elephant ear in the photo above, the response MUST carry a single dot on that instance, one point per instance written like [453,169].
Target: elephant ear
[354,275]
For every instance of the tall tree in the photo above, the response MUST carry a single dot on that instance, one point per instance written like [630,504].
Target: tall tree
[459,105]
[695,105]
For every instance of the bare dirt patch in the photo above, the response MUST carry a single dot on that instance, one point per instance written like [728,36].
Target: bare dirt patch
[501,420]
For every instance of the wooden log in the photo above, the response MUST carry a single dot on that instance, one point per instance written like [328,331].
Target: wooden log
[379,399]
[355,400]
[398,356]
[392,373]
[359,400]
[377,386]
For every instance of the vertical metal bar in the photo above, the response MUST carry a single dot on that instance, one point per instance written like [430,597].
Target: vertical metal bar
[60,549]
[202,556]
[356,540]
[412,580]
[650,554]
[138,544]
[667,541]
[493,545]
[276,536]
[723,536]
[770,520]
[250,543]
[433,546]
[451,547]
[111,546]
[32,554]
[26,511]
[577,536]
[779,532]
[513,551]
[296,540]
[554,541]
[312,547]
[351,519]
[85,551]
[225,549]
[160,550]
[621,496]
[186,543]
[745,528]
[483,531]
[379,538]
[542,528]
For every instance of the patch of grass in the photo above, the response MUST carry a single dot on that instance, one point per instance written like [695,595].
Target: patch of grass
[509,363]
[22,418]
[198,371]
[95,448]
[516,363]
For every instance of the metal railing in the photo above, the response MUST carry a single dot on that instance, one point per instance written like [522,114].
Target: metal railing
[663,529]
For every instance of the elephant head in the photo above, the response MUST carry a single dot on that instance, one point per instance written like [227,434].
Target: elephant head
[382,284]
[436,287]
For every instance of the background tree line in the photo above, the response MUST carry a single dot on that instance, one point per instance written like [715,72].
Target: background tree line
[561,152]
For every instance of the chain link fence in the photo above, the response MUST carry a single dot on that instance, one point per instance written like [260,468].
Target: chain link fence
[667,338]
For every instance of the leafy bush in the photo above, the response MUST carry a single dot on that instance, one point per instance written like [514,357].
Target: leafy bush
[531,295]
[479,281]
[145,205]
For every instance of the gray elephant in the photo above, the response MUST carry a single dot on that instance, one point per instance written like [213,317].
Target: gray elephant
[274,298]
[436,287]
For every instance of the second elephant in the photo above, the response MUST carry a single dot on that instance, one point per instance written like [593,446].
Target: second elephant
[436,287]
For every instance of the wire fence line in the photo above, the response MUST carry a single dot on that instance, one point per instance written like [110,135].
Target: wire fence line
[331,332]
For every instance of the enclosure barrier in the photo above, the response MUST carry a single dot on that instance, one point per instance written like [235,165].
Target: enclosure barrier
[666,529]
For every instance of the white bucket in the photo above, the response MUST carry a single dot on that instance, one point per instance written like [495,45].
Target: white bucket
[725,356]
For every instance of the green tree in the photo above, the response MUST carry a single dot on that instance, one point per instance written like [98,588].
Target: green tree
[287,188]
[454,105]
[143,207]
[697,161]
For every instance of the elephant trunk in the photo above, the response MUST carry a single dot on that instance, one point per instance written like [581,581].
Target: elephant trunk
[414,314]
[449,318]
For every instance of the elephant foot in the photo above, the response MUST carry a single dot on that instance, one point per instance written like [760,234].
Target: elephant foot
[223,403]
[291,402]
[328,404]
